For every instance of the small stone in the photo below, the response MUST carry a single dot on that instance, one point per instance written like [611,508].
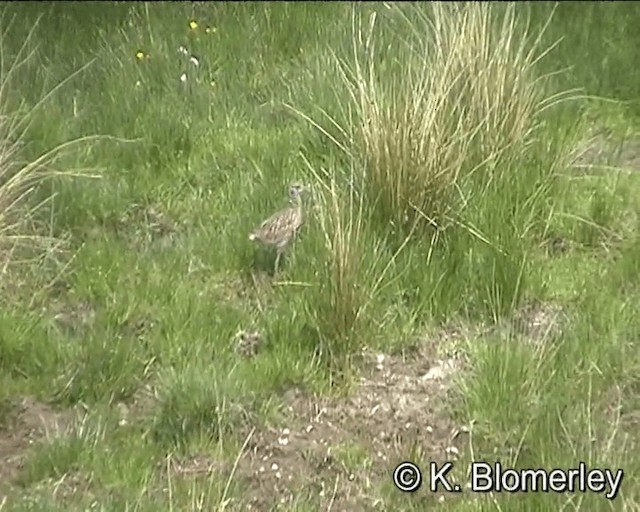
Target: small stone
[435,373]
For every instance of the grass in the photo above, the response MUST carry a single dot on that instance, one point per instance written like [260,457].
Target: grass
[140,149]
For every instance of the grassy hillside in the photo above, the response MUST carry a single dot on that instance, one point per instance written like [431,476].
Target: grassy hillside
[465,286]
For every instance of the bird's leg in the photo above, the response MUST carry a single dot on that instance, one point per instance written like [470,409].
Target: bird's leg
[277,262]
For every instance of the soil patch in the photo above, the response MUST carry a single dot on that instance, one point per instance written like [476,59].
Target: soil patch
[28,421]
[604,150]
[341,450]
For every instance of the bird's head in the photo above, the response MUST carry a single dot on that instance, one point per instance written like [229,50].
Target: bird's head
[295,191]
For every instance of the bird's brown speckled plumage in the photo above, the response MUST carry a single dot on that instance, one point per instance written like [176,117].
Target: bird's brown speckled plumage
[279,229]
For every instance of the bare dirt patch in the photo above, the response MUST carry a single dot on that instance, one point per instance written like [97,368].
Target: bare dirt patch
[28,421]
[539,322]
[141,227]
[602,149]
[149,225]
[341,450]
[248,343]
[72,317]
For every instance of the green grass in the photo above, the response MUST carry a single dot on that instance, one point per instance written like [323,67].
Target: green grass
[439,154]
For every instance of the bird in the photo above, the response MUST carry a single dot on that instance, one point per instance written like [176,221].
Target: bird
[279,229]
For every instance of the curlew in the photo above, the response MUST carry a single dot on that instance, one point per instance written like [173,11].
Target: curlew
[279,229]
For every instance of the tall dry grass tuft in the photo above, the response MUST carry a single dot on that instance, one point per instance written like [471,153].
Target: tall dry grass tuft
[441,117]
[343,289]
[353,270]
[440,93]
[24,233]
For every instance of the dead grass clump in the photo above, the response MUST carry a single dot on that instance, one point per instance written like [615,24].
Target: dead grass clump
[453,95]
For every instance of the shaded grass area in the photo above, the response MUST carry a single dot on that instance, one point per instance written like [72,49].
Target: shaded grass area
[416,220]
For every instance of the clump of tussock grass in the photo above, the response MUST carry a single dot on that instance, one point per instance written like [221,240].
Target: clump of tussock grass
[354,270]
[340,299]
[25,204]
[442,120]
[458,110]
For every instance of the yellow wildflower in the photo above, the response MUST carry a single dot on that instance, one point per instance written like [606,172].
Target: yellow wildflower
[140,55]
[193,25]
